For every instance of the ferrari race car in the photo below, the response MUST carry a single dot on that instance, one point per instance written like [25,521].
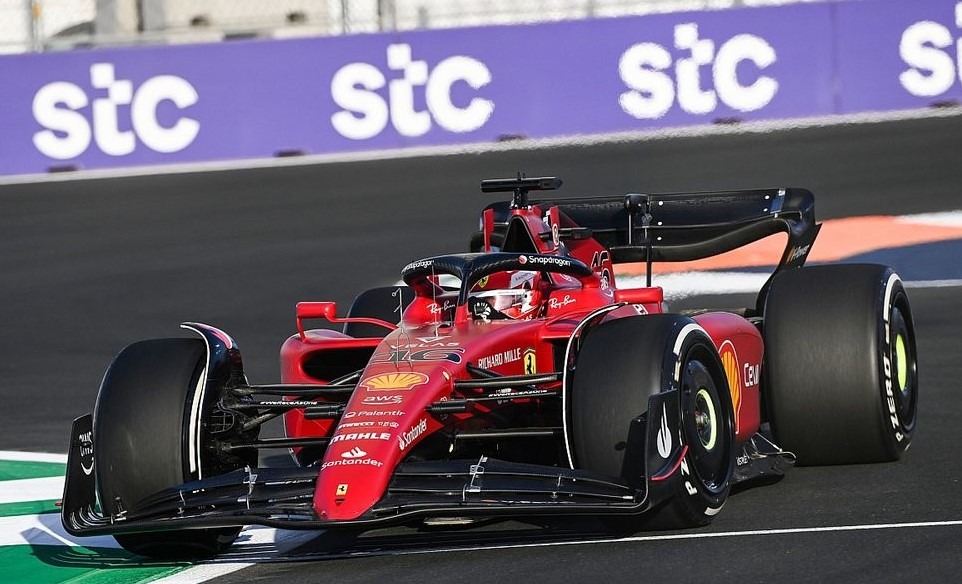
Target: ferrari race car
[517,380]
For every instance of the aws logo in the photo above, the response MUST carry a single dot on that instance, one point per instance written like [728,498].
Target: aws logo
[730,362]
[394,381]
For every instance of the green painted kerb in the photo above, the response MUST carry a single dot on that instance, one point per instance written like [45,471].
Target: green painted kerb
[28,508]
[54,564]
[45,564]
[20,469]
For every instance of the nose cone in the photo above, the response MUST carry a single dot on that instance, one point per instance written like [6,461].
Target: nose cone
[384,418]
[354,477]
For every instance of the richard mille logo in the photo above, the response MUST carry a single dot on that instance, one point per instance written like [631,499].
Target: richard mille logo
[664,435]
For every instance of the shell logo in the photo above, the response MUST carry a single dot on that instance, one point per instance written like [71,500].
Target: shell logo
[730,362]
[394,381]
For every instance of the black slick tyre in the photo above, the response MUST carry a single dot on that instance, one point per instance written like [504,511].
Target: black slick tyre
[385,303]
[148,436]
[840,375]
[620,365]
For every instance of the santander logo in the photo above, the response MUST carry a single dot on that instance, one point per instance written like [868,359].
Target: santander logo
[413,434]
[354,453]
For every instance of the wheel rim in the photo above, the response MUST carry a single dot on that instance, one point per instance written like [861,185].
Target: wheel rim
[707,431]
[903,362]
[706,419]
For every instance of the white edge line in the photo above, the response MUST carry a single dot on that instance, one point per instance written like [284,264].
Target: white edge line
[202,573]
[938,218]
[16,455]
[638,539]
[749,127]
[932,283]
[208,571]
[283,540]
[211,570]
[46,530]
[30,490]
[681,285]
[712,535]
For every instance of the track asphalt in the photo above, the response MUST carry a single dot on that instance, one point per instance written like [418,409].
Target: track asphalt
[90,266]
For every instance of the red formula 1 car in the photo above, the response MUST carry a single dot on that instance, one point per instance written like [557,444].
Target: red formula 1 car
[514,381]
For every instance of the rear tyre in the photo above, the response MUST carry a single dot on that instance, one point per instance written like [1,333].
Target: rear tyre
[477,241]
[149,436]
[621,364]
[385,303]
[840,373]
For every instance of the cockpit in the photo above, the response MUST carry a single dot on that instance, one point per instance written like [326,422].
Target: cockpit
[494,286]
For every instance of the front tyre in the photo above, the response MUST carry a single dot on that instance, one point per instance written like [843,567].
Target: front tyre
[149,435]
[708,433]
[624,362]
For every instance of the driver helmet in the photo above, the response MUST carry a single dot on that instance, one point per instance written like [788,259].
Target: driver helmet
[514,294]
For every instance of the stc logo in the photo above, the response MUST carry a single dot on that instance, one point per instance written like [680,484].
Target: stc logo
[365,113]
[645,69]
[926,47]
[68,133]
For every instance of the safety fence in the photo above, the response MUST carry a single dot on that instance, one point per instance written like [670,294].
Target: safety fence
[38,25]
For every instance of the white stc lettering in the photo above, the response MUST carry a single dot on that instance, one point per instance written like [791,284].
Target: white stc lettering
[926,47]
[645,70]
[67,133]
[365,114]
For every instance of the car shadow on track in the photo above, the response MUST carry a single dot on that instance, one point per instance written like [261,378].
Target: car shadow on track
[487,534]
[336,544]
[97,558]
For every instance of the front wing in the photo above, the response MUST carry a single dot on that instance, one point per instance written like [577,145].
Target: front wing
[282,497]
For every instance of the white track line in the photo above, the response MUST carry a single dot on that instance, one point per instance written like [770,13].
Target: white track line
[756,127]
[682,285]
[640,539]
[46,529]
[278,541]
[715,535]
[32,456]
[933,284]
[940,219]
[22,490]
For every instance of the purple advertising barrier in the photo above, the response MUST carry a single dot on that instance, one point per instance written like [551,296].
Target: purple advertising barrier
[894,54]
[248,99]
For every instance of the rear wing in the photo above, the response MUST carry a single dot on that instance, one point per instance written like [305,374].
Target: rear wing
[674,227]
[680,227]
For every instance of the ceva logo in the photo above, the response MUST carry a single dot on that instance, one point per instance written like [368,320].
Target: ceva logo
[68,133]
[926,47]
[365,113]
[646,69]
